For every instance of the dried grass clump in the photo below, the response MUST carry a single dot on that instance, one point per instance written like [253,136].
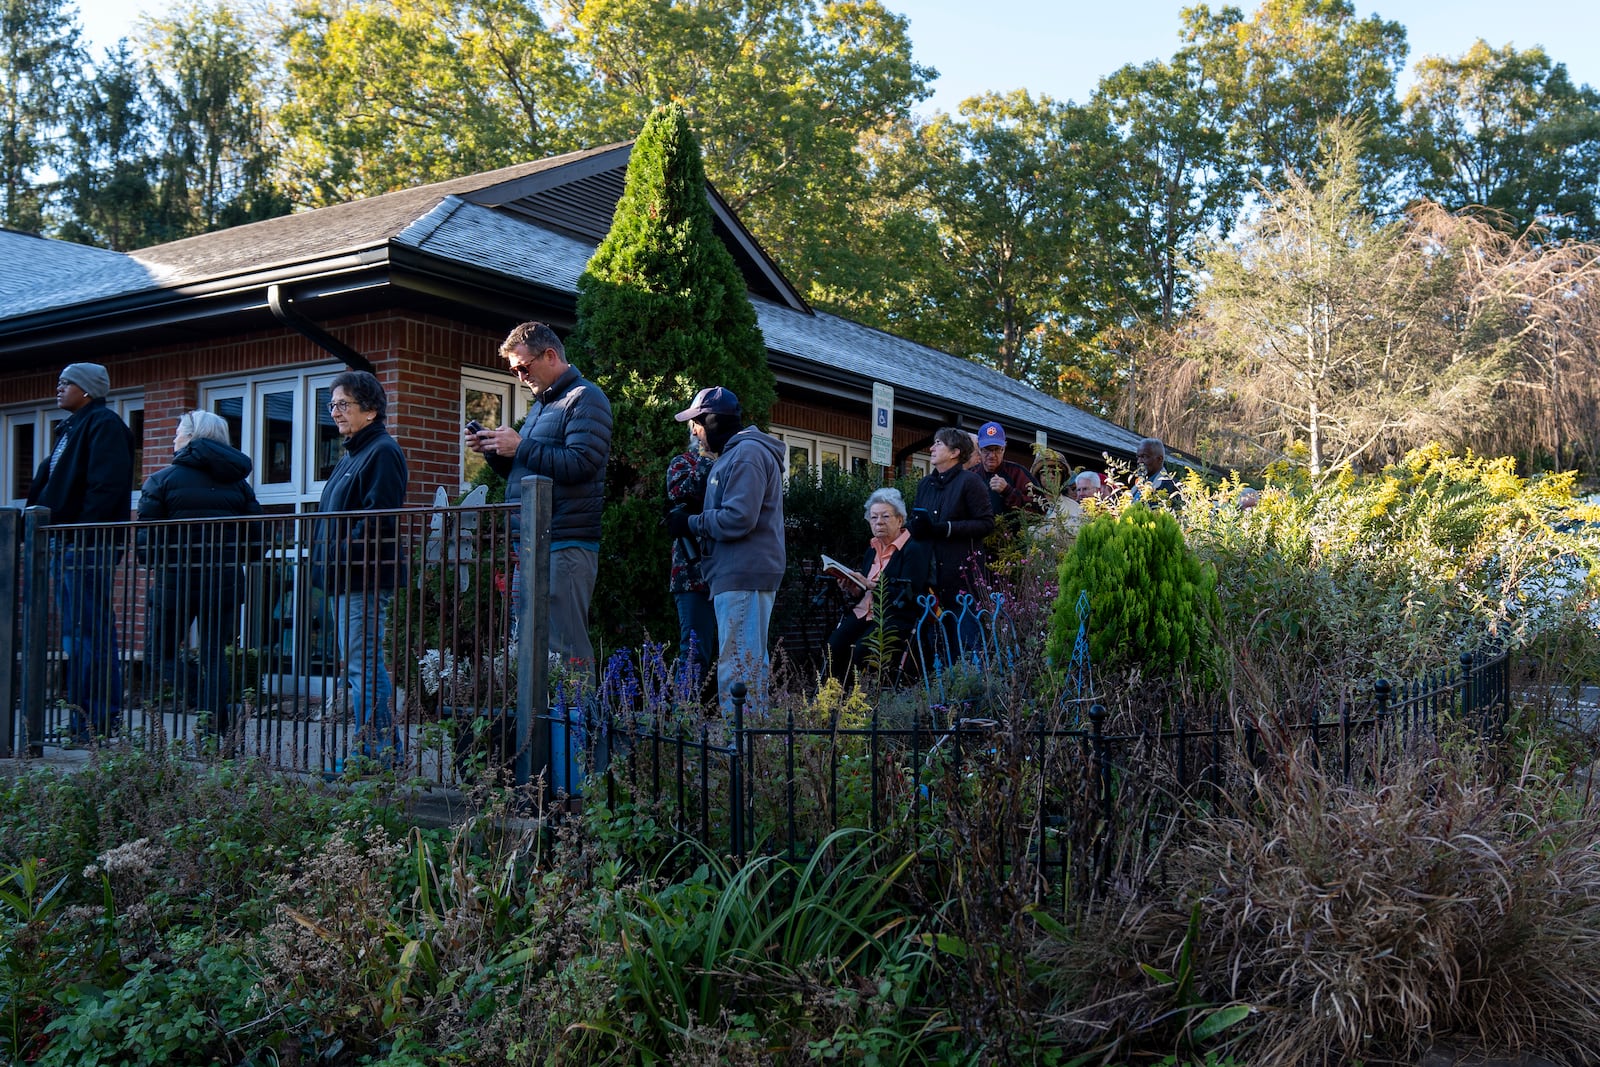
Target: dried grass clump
[1359,922]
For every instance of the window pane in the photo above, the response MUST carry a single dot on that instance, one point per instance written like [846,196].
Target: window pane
[489,409]
[831,458]
[136,426]
[860,464]
[799,458]
[276,461]
[231,408]
[330,446]
[22,463]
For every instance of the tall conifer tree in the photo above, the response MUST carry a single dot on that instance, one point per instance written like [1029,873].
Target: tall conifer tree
[662,312]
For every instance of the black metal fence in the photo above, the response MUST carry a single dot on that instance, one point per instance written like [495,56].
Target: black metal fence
[1057,796]
[235,635]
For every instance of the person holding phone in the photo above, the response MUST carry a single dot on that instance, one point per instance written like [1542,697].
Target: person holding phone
[566,438]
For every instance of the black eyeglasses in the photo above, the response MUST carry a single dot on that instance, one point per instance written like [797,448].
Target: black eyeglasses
[522,370]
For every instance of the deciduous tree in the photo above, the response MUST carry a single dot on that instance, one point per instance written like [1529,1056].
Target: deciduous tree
[779,92]
[1293,65]
[39,59]
[1002,205]
[1340,335]
[389,94]
[1507,129]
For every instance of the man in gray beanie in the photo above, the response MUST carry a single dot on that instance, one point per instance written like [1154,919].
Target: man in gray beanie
[88,477]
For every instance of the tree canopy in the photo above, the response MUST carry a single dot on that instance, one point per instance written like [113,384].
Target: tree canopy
[1077,246]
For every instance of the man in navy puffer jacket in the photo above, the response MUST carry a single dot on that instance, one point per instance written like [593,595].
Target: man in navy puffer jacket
[566,438]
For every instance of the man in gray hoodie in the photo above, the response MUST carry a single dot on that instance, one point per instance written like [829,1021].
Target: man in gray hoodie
[740,529]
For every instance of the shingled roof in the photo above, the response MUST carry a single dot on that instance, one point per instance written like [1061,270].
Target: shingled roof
[534,224]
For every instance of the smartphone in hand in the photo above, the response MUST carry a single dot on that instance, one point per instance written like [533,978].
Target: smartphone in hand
[474,426]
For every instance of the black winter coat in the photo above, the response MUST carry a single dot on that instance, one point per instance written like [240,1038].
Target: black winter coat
[356,552]
[566,438]
[94,476]
[957,503]
[206,480]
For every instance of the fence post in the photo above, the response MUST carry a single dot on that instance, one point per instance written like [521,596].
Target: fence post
[10,531]
[737,692]
[533,637]
[35,619]
[1505,694]
[1380,695]
[1469,699]
[1102,771]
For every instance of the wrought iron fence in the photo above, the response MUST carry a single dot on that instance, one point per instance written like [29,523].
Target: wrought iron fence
[1062,794]
[234,635]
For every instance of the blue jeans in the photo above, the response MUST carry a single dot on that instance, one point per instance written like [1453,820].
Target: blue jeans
[742,617]
[697,618]
[84,579]
[359,617]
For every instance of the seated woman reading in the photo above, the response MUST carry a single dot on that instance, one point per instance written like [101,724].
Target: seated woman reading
[898,567]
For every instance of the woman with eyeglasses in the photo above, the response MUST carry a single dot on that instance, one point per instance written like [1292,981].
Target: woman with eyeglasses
[357,553]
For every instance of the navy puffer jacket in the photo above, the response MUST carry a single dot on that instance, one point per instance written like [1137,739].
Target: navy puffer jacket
[566,438]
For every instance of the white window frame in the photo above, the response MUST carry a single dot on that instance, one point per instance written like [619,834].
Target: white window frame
[515,397]
[303,487]
[848,451]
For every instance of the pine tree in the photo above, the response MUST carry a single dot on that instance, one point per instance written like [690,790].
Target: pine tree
[662,308]
[39,60]
[662,312]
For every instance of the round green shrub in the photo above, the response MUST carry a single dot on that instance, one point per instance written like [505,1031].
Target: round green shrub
[1150,598]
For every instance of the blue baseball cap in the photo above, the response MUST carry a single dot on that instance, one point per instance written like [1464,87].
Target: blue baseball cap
[714,400]
[990,433]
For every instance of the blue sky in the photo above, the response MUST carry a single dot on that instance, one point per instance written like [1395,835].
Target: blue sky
[1063,47]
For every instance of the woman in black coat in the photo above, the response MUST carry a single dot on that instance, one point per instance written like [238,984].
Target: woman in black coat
[952,513]
[196,565]
[900,567]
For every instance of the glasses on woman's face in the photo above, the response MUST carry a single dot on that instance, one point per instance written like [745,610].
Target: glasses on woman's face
[340,405]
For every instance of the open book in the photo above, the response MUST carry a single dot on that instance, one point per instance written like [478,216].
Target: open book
[839,570]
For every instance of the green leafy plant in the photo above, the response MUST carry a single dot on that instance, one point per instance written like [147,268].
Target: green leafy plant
[662,312]
[1150,598]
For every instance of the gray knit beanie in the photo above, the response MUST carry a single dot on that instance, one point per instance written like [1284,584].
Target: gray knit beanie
[90,377]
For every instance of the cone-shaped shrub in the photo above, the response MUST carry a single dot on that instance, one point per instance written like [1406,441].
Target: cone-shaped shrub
[662,307]
[662,312]
[1149,596]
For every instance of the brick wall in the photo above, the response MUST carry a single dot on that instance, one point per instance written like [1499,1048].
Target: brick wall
[418,359]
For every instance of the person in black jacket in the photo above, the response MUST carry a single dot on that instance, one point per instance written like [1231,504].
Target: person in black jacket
[196,575]
[566,438]
[88,477]
[898,566]
[952,511]
[357,554]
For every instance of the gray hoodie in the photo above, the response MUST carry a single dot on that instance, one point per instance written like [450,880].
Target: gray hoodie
[741,525]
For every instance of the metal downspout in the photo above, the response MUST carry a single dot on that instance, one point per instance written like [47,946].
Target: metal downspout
[318,336]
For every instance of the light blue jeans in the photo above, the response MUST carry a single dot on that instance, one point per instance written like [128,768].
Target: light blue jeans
[359,617]
[742,617]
